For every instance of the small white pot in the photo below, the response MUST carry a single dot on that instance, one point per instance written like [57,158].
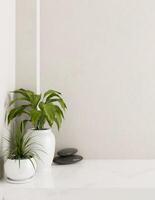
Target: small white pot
[44,146]
[19,172]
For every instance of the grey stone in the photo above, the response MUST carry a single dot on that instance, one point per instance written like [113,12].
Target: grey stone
[67,152]
[67,160]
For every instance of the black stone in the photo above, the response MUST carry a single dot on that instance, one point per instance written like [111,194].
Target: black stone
[67,160]
[67,152]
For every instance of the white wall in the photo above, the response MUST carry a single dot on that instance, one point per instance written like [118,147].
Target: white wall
[26,44]
[101,55]
[7,54]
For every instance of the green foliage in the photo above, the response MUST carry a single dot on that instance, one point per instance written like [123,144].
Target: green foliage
[37,109]
[20,144]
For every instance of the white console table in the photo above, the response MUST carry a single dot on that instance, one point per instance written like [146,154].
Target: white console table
[89,179]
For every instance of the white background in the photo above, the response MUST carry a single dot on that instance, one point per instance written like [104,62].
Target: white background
[7,55]
[26,44]
[100,54]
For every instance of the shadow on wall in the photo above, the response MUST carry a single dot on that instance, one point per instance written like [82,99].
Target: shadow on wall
[1,168]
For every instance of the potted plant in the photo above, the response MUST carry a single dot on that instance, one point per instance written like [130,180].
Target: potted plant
[20,165]
[42,111]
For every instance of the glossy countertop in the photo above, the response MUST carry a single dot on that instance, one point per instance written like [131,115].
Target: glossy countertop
[88,178]
[95,174]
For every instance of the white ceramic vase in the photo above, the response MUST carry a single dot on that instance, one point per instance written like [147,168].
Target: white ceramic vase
[44,146]
[19,172]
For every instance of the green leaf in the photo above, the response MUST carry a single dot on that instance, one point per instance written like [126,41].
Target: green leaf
[49,92]
[23,124]
[58,120]
[35,116]
[60,101]
[51,96]
[40,110]
[20,145]
[53,114]
[49,113]
[58,109]
[41,122]
[16,112]
[17,100]
[25,93]
[35,100]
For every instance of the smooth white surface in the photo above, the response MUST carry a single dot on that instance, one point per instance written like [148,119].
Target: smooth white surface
[101,55]
[99,194]
[19,171]
[38,88]
[95,174]
[89,179]
[7,56]
[43,143]
[26,44]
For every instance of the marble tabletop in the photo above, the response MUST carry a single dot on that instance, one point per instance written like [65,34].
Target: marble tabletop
[94,174]
[88,180]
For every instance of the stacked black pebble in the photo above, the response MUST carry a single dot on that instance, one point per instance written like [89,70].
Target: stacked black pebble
[67,156]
